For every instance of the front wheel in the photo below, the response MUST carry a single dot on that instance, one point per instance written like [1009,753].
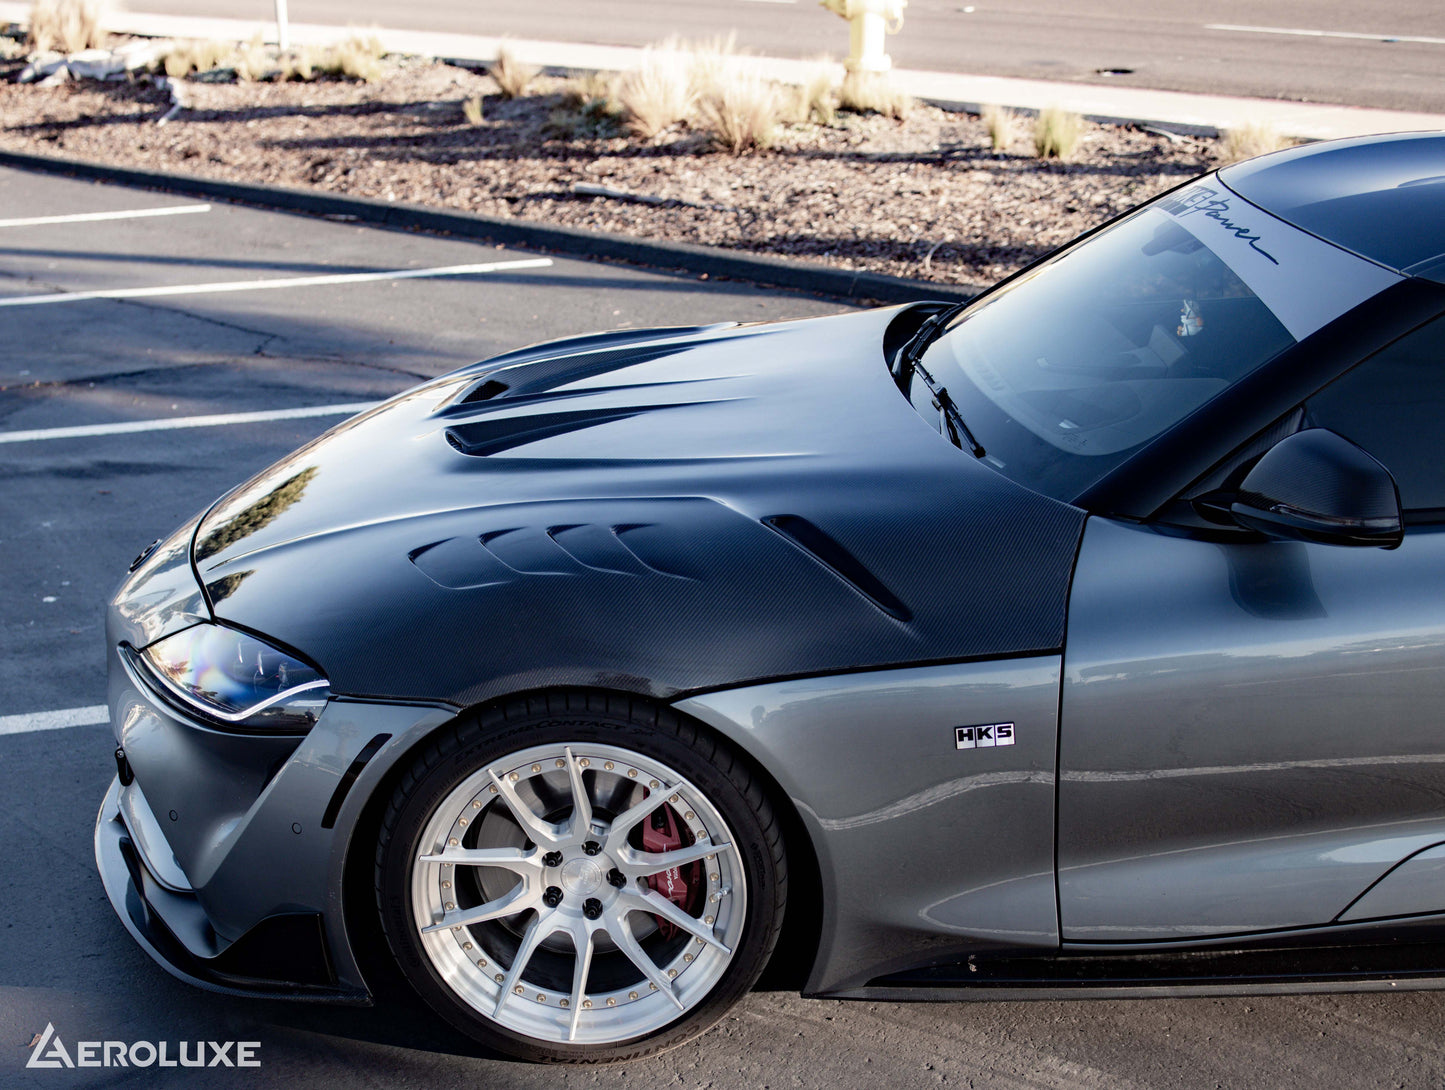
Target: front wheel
[580,878]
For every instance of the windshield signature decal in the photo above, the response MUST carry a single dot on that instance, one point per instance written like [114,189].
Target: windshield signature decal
[1208,202]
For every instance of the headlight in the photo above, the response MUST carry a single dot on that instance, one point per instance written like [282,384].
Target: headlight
[236,678]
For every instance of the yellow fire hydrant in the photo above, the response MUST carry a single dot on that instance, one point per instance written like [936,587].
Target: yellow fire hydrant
[871,20]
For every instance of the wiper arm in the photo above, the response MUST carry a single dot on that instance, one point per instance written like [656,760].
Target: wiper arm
[913,349]
[948,412]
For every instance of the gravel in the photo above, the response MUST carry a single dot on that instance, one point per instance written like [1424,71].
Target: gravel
[925,197]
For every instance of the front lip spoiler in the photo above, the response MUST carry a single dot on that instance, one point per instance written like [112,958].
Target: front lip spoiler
[131,888]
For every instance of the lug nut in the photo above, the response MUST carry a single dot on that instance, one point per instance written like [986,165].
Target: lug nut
[592,908]
[617,878]
[592,847]
[552,859]
[553,897]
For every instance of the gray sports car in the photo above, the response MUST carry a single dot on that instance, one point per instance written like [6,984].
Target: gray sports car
[1083,640]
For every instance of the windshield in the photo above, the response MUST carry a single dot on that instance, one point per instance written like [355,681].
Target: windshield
[1069,369]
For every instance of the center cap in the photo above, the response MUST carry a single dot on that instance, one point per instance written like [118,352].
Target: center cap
[582,876]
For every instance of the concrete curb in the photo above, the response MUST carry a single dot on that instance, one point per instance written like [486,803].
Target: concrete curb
[778,272]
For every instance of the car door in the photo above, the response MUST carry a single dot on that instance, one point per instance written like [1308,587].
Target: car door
[1253,732]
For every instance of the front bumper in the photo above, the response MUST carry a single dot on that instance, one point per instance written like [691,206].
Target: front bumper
[225,856]
[283,956]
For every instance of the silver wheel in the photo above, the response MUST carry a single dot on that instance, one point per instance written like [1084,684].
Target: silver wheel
[543,902]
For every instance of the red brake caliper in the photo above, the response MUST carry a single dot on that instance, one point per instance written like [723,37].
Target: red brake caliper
[683,886]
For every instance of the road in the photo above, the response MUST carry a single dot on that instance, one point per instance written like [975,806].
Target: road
[1167,44]
[75,509]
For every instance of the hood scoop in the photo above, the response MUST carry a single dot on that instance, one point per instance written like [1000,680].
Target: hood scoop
[494,434]
[538,376]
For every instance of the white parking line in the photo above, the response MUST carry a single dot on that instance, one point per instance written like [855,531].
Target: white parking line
[67,717]
[92,217]
[263,285]
[83,431]
[1324,33]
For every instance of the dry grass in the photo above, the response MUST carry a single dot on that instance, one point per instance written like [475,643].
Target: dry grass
[710,64]
[358,57]
[580,91]
[1247,141]
[871,93]
[1057,133]
[1001,124]
[658,93]
[65,25]
[742,112]
[472,110]
[816,99]
[511,75]
[302,66]
[183,58]
[589,109]
[252,61]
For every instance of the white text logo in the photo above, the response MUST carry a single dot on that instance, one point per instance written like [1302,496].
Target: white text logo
[50,1051]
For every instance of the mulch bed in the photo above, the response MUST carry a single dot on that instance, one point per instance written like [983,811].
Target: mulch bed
[925,197]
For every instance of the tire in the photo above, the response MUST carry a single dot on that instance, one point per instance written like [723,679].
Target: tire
[491,878]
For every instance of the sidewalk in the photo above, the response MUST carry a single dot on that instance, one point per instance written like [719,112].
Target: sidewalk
[1203,114]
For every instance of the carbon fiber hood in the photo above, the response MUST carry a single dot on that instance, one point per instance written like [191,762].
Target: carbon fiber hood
[672,511]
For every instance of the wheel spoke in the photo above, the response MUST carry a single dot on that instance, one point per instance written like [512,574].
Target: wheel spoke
[537,930]
[542,832]
[581,824]
[621,934]
[583,945]
[516,860]
[519,898]
[653,902]
[643,864]
[628,819]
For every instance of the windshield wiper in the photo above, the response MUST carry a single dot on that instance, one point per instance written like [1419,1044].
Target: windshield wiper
[948,412]
[913,348]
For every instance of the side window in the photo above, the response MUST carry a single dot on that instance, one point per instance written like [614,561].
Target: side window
[1393,405]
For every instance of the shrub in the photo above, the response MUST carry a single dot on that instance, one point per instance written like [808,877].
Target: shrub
[1056,133]
[1255,138]
[1000,123]
[511,76]
[472,110]
[873,93]
[658,93]
[66,25]
[742,112]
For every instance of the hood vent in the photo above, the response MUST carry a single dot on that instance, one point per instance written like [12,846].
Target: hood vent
[839,561]
[494,434]
[537,376]
[485,392]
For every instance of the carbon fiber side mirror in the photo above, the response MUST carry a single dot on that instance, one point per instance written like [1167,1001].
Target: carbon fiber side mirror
[1318,486]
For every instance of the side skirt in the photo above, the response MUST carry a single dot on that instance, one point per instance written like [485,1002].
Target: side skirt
[1386,955]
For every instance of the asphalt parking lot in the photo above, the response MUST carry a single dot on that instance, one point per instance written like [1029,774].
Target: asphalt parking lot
[112,331]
